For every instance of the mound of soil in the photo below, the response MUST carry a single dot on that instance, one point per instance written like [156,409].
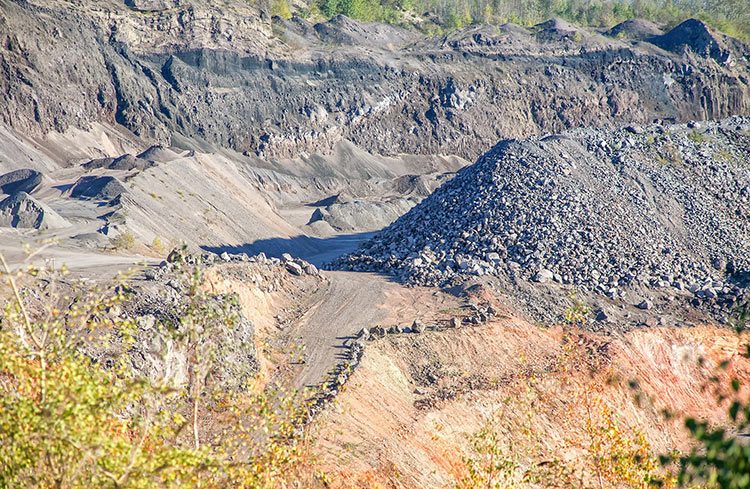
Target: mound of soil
[125,162]
[637,29]
[343,30]
[97,188]
[21,210]
[418,185]
[697,37]
[158,154]
[557,29]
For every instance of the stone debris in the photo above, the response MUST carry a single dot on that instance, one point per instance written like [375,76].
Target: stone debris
[294,268]
[340,374]
[664,206]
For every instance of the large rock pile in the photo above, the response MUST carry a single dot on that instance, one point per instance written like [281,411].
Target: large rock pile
[653,206]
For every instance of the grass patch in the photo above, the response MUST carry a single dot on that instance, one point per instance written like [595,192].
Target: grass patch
[697,137]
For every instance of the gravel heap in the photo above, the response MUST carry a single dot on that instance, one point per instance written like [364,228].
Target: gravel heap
[21,210]
[22,180]
[654,206]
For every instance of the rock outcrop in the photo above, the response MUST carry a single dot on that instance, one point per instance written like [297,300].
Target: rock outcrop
[182,75]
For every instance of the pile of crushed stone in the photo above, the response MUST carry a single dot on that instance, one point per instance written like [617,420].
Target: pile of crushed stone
[647,206]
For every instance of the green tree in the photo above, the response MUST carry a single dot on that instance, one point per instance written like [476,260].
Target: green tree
[281,9]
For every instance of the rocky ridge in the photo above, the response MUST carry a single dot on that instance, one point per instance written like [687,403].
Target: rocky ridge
[179,73]
[653,206]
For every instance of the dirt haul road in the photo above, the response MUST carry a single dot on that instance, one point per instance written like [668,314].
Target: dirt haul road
[348,303]
[351,301]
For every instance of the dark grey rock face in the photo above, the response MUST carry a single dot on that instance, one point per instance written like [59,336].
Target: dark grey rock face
[601,210]
[278,90]
[23,180]
[97,188]
[697,37]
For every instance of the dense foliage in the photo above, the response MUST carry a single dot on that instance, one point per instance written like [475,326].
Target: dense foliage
[75,414]
[729,16]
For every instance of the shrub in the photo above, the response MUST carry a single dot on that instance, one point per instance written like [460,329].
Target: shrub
[281,8]
[158,245]
[697,137]
[124,241]
[720,458]
[75,414]
[67,422]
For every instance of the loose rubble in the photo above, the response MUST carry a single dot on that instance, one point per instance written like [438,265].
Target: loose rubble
[337,378]
[295,266]
[655,206]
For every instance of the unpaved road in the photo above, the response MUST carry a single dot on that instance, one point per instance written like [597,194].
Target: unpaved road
[351,301]
[87,262]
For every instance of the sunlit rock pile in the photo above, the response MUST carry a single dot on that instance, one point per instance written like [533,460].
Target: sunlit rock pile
[654,205]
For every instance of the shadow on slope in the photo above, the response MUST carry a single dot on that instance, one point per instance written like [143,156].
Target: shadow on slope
[314,250]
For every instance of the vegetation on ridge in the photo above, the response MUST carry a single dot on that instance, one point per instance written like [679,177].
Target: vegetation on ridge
[74,413]
[729,16]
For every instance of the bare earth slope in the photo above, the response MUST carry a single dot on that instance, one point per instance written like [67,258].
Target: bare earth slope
[408,414]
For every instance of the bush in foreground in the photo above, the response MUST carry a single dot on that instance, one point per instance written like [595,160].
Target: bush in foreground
[69,421]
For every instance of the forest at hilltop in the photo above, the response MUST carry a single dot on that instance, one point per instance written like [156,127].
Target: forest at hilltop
[435,16]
